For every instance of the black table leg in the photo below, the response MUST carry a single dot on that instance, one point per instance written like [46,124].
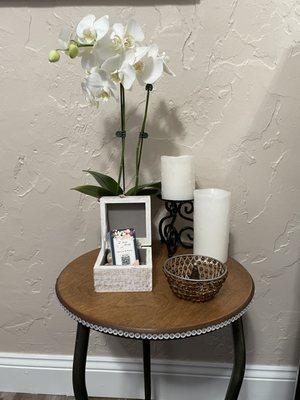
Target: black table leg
[79,362]
[147,368]
[238,371]
[297,386]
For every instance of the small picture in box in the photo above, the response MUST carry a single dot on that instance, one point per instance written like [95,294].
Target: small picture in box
[124,247]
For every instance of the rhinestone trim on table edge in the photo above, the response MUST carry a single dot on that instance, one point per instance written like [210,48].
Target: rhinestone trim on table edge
[157,336]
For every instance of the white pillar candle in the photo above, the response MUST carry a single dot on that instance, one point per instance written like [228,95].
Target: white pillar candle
[211,223]
[177,177]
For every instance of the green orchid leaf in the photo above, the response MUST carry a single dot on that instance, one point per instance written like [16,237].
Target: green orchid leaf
[94,191]
[130,192]
[106,182]
[145,189]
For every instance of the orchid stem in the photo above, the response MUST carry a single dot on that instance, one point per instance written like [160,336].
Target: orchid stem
[82,45]
[139,148]
[122,160]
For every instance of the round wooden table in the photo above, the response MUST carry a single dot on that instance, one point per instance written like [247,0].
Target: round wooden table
[156,315]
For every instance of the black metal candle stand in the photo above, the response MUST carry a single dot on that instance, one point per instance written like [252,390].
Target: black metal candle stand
[168,232]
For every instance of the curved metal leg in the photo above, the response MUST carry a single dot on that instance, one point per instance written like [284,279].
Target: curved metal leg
[79,362]
[147,369]
[238,371]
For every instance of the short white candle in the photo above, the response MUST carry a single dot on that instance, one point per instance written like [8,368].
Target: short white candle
[211,223]
[177,177]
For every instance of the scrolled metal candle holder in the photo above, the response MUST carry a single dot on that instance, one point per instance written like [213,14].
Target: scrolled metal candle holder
[169,234]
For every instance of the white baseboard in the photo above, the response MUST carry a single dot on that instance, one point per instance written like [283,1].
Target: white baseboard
[120,377]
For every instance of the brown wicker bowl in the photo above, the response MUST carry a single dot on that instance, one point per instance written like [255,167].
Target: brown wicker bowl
[195,278]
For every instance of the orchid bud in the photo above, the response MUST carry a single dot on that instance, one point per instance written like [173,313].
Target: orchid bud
[73,50]
[54,56]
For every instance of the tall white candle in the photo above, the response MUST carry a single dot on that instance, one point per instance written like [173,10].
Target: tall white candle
[211,223]
[177,177]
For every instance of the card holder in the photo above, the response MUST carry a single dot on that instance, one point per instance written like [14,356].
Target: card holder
[133,211]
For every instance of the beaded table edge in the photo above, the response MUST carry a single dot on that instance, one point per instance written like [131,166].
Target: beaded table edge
[157,336]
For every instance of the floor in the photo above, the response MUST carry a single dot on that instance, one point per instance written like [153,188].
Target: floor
[20,396]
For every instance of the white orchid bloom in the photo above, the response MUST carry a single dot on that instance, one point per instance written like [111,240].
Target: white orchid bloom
[88,95]
[98,88]
[89,30]
[149,65]
[166,59]
[125,38]
[121,39]
[120,69]
[89,60]
[105,49]
[65,37]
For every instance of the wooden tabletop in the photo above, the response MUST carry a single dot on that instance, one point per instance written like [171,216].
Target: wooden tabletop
[156,312]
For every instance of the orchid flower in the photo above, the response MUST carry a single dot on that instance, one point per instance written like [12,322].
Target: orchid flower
[166,60]
[89,30]
[89,60]
[126,37]
[121,39]
[65,37]
[149,65]
[98,88]
[120,70]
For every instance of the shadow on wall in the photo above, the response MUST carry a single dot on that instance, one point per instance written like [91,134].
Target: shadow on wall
[63,3]
[265,186]
[163,127]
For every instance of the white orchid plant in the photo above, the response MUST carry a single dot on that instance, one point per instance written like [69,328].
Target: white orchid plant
[113,58]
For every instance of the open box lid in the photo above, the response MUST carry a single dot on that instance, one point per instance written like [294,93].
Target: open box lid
[120,212]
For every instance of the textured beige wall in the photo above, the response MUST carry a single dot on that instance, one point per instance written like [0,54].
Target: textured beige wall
[235,105]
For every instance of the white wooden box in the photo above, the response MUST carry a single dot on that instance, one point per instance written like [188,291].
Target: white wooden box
[118,213]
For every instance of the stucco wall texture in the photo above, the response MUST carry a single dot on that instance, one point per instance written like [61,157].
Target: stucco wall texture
[234,105]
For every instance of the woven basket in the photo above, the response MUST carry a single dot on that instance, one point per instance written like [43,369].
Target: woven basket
[195,278]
